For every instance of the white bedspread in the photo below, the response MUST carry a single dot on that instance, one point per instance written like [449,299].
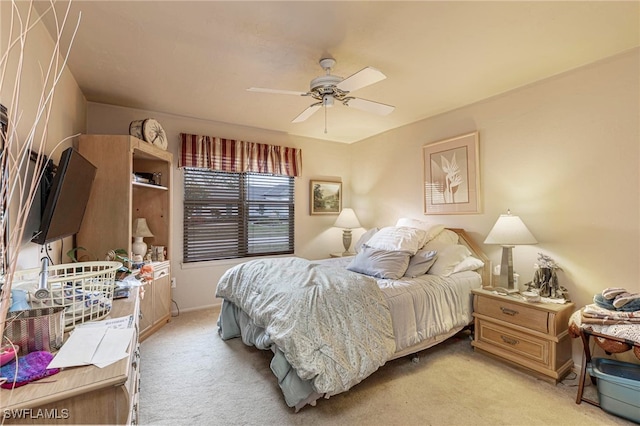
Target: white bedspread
[333,325]
[427,306]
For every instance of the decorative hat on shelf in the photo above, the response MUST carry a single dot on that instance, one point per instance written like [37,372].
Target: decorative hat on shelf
[149,130]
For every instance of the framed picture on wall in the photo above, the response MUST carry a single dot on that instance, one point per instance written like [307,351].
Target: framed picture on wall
[452,176]
[326,197]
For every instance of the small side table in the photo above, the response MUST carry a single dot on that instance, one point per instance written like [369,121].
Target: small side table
[610,344]
[532,336]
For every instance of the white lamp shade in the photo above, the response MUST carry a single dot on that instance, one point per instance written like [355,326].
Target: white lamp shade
[347,219]
[141,229]
[509,230]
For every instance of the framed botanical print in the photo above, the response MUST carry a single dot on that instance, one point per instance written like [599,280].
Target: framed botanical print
[452,176]
[326,197]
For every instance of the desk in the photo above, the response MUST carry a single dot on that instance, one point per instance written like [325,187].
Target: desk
[608,342]
[82,395]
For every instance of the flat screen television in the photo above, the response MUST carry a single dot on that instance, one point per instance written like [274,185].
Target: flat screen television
[67,198]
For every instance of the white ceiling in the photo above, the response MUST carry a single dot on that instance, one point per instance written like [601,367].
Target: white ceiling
[197,58]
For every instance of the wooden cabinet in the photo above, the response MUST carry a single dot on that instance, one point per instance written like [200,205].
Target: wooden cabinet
[155,307]
[533,336]
[83,395]
[117,200]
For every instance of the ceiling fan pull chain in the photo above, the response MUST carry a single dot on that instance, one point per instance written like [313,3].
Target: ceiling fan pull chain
[325,120]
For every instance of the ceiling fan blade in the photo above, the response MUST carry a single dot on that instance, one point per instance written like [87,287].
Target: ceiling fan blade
[362,78]
[307,113]
[276,91]
[369,106]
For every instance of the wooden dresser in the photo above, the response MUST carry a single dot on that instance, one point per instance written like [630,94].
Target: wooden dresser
[532,336]
[82,395]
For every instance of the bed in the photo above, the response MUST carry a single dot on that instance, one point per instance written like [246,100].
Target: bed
[331,323]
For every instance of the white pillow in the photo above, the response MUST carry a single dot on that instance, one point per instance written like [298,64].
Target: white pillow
[364,238]
[447,236]
[398,238]
[432,229]
[448,258]
[436,244]
[469,264]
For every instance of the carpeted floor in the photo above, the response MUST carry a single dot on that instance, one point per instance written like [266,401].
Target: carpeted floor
[190,376]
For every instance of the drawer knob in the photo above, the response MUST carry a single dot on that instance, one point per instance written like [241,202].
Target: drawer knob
[509,340]
[510,312]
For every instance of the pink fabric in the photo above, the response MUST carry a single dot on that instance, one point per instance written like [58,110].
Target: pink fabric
[32,366]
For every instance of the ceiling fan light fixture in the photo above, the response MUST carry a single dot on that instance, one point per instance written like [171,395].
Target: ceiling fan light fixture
[328,101]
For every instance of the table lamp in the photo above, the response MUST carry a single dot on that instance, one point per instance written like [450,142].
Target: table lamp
[140,230]
[509,231]
[347,220]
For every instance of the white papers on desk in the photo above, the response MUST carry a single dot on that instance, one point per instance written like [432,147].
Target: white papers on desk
[100,343]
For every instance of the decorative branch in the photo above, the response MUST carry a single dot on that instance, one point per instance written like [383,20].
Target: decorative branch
[18,190]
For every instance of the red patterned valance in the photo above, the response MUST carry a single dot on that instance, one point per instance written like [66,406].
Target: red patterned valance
[239,156]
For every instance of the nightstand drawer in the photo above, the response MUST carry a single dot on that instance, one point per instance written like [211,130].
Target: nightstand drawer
[513,313]
[520,344]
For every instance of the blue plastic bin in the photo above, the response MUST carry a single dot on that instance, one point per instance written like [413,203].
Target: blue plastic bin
[618,387]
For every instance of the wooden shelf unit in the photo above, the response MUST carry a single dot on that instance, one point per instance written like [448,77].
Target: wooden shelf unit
[116,201]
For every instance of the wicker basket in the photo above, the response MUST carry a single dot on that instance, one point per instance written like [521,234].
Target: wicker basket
[84,290]
[35,329]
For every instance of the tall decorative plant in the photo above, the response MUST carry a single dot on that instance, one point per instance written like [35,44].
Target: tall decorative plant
[21,139]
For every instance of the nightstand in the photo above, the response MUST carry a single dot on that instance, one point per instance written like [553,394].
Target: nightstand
[531,336]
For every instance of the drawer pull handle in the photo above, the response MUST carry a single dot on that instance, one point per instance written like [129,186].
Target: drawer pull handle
[509,312]
[509,340]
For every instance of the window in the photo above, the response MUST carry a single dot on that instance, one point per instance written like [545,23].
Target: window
[235,215]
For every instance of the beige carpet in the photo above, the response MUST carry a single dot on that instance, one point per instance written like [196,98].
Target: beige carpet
[190,376]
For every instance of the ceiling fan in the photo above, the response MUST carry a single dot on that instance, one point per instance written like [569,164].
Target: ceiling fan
[329,88]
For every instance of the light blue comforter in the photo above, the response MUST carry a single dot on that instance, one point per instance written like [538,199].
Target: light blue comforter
[332,325]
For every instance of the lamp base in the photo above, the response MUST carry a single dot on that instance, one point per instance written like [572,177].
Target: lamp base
[138,246]
[346,241]
[505,281]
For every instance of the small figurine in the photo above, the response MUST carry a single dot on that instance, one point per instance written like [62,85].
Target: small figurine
[545,279]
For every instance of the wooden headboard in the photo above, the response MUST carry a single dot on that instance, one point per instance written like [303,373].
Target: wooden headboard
[466,240]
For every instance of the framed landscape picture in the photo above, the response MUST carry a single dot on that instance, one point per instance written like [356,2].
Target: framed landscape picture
[326,197]
[452,176]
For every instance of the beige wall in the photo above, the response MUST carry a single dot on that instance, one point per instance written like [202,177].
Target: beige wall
[314,236]
[563,154]
[68,112]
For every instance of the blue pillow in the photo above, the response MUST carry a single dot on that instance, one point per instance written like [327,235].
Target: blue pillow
[420,263]
[380,263]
